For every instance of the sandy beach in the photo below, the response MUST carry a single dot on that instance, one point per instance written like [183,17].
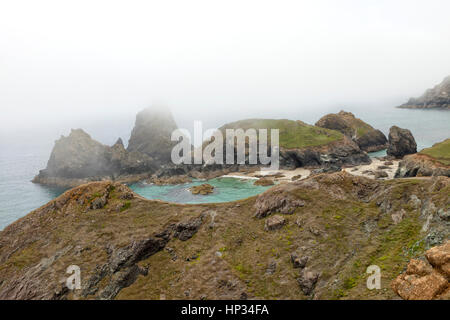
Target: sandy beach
[369,171]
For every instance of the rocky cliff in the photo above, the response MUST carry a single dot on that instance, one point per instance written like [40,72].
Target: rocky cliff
[367,138]
[437,97]
[434,161]
[78,158]
[309,239]
[151,134]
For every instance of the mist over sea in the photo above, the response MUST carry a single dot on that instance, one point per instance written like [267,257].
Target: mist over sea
[24,152]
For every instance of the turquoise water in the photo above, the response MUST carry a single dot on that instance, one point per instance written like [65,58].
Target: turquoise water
[225,189]
[375,154]
[21,158]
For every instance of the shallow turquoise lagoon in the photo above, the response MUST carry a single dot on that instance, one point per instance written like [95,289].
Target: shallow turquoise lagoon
[225,189]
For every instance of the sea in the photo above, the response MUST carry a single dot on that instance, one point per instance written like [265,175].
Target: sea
[21,158]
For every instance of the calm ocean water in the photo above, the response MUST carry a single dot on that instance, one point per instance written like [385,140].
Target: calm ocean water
[20,162]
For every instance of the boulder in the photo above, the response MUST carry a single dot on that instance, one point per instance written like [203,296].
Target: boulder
[275,222]
[380,174]
[425,281]
[401,142]
[307,281]
[298,261]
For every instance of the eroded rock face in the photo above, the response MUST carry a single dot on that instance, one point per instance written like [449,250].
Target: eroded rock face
[152,132]
[78,158]
[425,281]
[437,97]
[307,281]
[269,202]
[186,230]
[418,165]
[337,153]
[365,136]
[401,142]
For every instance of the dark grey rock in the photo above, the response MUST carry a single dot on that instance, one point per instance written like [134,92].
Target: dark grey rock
[401,142]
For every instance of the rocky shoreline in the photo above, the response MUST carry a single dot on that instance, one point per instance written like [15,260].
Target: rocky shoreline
[435,98]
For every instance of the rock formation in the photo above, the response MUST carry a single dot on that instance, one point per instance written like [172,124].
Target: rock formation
[401,142]
[128,247]
[78,158]
[151,134]
[426,280]
[437,97]
[263,182]
[367,138]
[303,145]
[434,161]
[202,189]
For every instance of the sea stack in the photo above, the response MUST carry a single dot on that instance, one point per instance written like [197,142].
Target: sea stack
[401,142]
[77,159]
[151,134]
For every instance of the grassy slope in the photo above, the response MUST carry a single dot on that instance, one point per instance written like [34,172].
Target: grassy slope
[361,127]
[341,252]
[353,124]
[439,151]
[293,134]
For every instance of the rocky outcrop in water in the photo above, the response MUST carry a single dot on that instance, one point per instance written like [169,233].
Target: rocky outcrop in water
[435,98]
[401,142]
[367,138]
[78,158]
[151,134]
[202,189]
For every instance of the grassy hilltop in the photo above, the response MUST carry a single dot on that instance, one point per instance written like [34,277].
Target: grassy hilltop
[293,134]
[439,152]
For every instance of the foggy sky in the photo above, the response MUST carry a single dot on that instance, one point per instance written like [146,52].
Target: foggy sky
[75,62]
